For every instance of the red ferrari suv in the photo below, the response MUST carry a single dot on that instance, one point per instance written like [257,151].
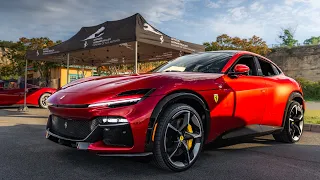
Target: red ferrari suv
[14,95]
[172,111]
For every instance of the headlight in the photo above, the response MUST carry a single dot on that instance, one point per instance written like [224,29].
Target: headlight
[125,98]
[117,102]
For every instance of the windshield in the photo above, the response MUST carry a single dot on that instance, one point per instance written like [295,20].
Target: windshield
[201,62]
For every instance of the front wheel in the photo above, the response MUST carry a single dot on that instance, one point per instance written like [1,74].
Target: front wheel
[43,100]
[293,127]
[179,138]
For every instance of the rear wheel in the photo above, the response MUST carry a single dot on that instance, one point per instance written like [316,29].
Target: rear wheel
[43,100]
[178,138]
[293,126]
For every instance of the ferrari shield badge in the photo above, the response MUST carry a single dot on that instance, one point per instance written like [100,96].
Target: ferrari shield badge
[216,97]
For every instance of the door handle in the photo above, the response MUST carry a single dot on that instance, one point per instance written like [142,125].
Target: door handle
[263,90]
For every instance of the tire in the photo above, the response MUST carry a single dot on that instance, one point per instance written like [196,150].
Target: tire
[183,126]
[43,100]
[293,124]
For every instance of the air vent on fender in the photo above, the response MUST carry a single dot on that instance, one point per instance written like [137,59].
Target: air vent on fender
[136,92]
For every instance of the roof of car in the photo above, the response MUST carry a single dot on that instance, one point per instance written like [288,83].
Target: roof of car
[230,52]
[233,52]
[226,51]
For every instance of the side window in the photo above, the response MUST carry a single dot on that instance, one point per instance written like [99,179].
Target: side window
[275,69]
[248,61]
[267,68]
[213,65]
[11,85]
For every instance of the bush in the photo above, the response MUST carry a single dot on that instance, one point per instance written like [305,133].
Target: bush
[311,90]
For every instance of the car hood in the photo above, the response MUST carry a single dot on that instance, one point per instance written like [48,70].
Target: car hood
[88,90]
[106,84]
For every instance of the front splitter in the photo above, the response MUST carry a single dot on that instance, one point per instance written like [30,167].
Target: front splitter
[87,146]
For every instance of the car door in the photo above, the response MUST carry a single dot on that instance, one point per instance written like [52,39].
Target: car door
[272,76]
[249,93]
[11,95]
[3,96]
[17,95]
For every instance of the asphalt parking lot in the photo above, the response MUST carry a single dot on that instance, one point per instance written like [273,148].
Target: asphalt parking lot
[26,154]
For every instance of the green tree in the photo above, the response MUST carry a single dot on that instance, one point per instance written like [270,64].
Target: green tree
[287,37]
[6,44]
[18,51]
[6,71]
[16,54]
[312,41]
[224,42]
[43,67]
[58,42]
[5,50]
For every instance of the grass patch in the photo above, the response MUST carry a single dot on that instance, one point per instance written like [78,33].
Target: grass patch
[312,116]
[311,90]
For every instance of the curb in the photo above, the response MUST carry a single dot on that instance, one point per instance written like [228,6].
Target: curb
[312,127]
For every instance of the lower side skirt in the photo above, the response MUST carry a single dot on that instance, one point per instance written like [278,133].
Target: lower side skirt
[127,155]
[251,130]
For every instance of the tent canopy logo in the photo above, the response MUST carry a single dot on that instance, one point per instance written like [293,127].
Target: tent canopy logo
[147,27]
[97,34]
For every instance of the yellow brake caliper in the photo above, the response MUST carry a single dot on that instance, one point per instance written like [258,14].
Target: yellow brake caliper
[189,142]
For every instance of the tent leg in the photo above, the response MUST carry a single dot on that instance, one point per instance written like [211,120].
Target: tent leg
[136,58]
[25,107]
[68,68]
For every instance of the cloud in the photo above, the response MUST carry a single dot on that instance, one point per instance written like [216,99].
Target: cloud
[233,3]
[238,13]
[292,2]
[223,3]
[60,19]
[190,20]
[256,6]
[266,18]
[212,4]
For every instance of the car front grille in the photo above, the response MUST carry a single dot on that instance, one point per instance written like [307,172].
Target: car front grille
[72,128]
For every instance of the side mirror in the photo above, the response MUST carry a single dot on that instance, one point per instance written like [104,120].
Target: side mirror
[240,69]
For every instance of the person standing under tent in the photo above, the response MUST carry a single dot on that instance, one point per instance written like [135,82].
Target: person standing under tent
[21,82]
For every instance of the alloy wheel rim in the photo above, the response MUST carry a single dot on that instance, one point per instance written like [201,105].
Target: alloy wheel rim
[44,101]
[296,122]
[183,138]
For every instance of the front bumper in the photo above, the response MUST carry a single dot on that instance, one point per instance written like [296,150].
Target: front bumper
[86,134]
[121,138]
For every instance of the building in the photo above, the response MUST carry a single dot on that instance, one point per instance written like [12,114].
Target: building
[58,76]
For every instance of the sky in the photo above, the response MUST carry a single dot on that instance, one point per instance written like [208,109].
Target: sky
[195,21]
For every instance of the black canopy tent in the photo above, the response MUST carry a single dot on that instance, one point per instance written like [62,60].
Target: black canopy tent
[127,41]
[116,42]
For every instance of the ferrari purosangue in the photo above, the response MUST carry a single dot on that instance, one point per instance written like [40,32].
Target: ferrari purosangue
[174,110]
